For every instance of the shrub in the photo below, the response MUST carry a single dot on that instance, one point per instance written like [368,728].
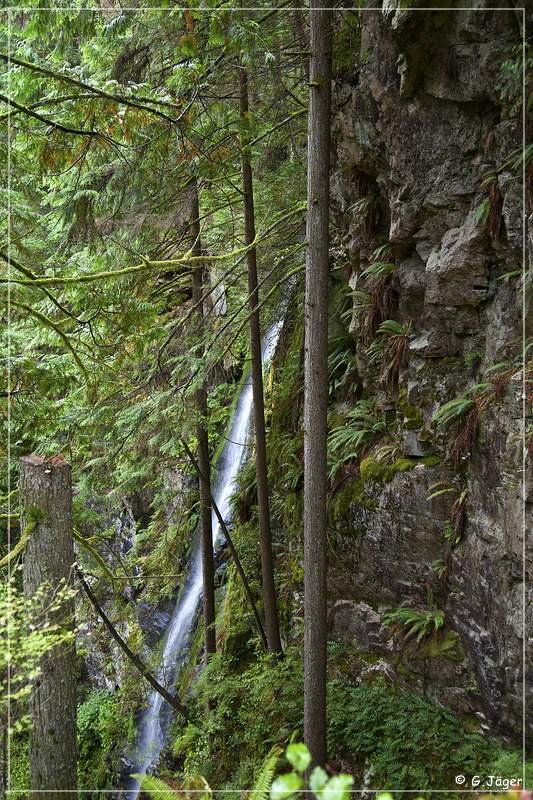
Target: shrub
[251,708]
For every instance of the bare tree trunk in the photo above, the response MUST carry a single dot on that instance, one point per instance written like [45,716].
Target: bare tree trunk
[316,385]
[134,659]
[46,499]
[240,571]
[208,567]
[265,537]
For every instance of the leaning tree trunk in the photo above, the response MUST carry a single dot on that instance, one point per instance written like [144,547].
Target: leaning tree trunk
[265,537]
[208,567]
[46,501]
[316,385]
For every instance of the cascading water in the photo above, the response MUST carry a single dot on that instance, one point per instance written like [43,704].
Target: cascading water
[155,719]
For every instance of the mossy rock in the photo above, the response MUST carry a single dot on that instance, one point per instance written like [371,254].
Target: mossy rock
[352,493]
[373,470]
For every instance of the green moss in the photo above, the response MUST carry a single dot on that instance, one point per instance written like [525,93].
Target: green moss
[351,493]
[400,465]
[431,461]
[19,770]
[412,416]
[373,470]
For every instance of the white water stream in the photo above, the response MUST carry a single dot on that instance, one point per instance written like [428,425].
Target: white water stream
[153,724]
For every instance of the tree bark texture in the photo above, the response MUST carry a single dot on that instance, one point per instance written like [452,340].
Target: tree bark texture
[265,536]
[204,479]
[46,496]
[316,385]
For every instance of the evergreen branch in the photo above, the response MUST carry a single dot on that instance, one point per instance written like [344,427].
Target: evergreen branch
[298,113]
[93,552]
[30,274]
[6,497]
[48,101]
[166,265]
[258,306]
[51,324]
[10,59]
[56,125]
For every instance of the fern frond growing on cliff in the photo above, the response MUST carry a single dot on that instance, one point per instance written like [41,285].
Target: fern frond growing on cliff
[413,622]
[452,412]
[390,350]
[361,427]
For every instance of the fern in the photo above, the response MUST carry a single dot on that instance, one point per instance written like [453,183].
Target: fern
[263,782]
[155,788]
[414,622]
[453,411]
[159,790]
[360,428]
[377,269]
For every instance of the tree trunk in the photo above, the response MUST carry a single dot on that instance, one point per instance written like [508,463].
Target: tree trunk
[265,537]
[133,658]
[316,385]
[46,497]
[204,479]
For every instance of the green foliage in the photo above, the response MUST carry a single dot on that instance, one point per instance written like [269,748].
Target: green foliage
[453,411]
[377,269]
[263,780]
[155,788]
[291,783]
[19,771]
[31,634]
[235,692]
[104,727]
[362,426]
[410,742]
[373,469]
[390,350]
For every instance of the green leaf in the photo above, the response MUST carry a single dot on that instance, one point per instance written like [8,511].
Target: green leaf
[318,779]
[338,788]
[285,786]
[299,756]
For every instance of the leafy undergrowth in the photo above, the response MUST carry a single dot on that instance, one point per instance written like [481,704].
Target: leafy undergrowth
[104,725]
[297,777]
[390,738]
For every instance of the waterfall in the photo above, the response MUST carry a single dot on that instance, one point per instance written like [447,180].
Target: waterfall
[155,719]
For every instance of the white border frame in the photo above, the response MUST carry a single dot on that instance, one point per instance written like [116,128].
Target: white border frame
[17,8]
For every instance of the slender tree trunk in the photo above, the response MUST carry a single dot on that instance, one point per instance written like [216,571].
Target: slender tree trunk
[265,537]
[46,496]
[208,567]
[316,388]
[133,658]
[240,571]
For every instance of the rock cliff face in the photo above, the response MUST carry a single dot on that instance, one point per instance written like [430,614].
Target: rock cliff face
[427,126]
